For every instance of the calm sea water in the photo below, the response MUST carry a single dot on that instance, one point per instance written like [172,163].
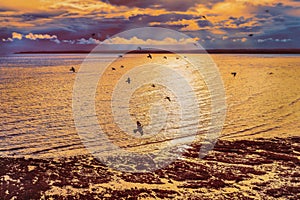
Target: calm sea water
[36,117]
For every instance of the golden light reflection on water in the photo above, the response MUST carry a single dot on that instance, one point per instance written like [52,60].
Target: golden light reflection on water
[150,98]
[36,103]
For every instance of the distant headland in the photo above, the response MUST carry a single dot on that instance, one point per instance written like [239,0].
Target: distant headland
[210,51]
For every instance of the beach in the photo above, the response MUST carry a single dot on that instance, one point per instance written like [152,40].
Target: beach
[256,156]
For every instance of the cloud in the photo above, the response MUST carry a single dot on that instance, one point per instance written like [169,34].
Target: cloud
[166,4]
[32,36]
[57,41]
[239,40]
[88,41]
[138,41]
[16,35]
[225,37]
[7,40]
[29,5]
[72,22]
[275,40]
[69,41]
[188,25]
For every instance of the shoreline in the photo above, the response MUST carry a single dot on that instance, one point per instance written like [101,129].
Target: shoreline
[247,169]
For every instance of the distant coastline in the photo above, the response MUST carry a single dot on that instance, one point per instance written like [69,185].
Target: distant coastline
[211,51]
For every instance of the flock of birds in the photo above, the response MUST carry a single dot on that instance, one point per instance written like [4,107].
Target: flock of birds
[149,56]
[139,126]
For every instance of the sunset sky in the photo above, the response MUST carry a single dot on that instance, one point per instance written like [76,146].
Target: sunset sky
[39,25]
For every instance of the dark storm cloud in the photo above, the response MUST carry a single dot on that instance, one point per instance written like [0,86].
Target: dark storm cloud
[167,4]
[5,32]
[204,23]
[289,32]
[4,10]
[84,28]
[33,16]
[240,20]
[145,19]
[173,5]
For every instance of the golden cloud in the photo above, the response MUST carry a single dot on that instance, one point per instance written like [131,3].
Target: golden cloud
[16,35]
[28,5]
[32,36]
[240,40]
[138,41]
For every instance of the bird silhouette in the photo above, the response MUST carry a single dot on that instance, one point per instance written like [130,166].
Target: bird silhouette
[204,17]
[165,57]
[113,68]
[72,69]
[168,98]
[153,85]
[267,11]
[93,34]
[233,73]
[128,80]
[251,34]
[149,56]
[139,128]
[122,66]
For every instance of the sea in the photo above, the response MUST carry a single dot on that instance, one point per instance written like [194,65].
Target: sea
[173,97]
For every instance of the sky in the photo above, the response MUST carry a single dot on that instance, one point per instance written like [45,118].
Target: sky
[51,25]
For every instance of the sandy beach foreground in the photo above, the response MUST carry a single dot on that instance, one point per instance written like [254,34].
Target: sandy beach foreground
[244,169]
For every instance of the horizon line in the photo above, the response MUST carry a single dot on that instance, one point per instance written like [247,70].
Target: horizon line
[214,51]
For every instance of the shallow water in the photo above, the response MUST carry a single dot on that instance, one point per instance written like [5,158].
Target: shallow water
[36,116]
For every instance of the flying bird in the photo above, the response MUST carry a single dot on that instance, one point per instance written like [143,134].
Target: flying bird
[267,11]
[113,68]
[233,73]
[165,57]
[149,56]
[204,17]
[72,69]
[128,80]
[168,98]
[153,85]
[93,34]
[139,128]
[251,34]
[122,66]
[138,124]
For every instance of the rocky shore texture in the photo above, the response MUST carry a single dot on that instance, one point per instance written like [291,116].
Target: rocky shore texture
[244,169]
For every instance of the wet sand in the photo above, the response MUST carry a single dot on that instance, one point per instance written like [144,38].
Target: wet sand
[258,169]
